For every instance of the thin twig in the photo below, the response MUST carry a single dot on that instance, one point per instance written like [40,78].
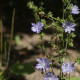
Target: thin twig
[5,50]
[42,15]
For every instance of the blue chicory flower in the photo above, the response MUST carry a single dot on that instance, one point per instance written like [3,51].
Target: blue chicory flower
[69,26]
[37,27]
[67,67]
[43,64]
[50,76]
[75,9]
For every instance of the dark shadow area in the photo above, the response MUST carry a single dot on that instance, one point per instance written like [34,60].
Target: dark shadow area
[22,68]
[16,77]
[23,15]
[19,56]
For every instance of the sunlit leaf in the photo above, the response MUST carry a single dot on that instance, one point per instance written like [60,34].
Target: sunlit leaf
[17,40]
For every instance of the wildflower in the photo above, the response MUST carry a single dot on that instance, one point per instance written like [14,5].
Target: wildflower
[43,64]
[67,67]
[50,76]
[37,27]
[69,26]
[75,9]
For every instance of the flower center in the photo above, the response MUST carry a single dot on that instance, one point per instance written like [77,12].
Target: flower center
[68,27]
[50,78]
[43,64]
[37,28]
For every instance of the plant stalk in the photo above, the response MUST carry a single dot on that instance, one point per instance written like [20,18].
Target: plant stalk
[1,40]
[11,37]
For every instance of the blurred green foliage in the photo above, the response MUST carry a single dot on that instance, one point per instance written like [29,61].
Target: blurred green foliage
[73,78]
[1,77]
[20,68]
[18,40]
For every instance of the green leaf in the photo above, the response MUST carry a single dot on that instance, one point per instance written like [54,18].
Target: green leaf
[52,43]
[30,4]
[46,26]
[41,3]
[78,60]
[50,14]
[71,18]
[42,35]
[73,35]
[43,21]
[71,44]
[0,67]
[60,35]
[55,23]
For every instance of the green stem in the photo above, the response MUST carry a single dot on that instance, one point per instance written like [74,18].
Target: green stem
[67,43]
[42,48]
[63,30]
[51,44]
[60,73]
[5,51]
[69,76]
[11,38]
[1,40]
[36,16]
[63,11]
